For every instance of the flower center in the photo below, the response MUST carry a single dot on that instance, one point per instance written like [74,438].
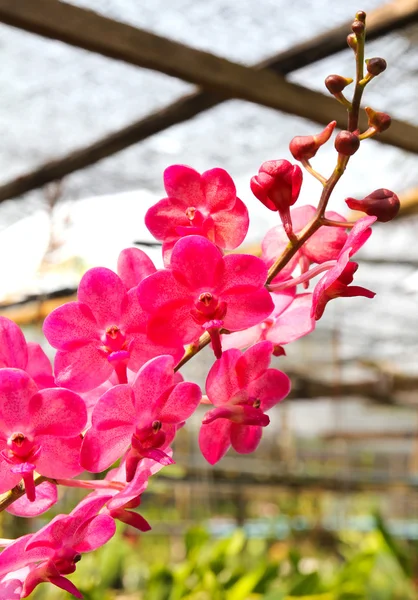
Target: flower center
[190,213]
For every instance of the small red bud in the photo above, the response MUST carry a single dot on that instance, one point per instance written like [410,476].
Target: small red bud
[361,16]
[277,186]
[380,121]
[336,83]
[278,350]
[381,203]
[304,147]
[352,41]
[347,143]
[376,65]
[358,27]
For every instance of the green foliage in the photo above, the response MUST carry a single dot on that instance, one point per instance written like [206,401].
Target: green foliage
[371,566]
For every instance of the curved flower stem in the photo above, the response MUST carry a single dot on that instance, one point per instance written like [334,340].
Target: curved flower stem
[307,165]
[302,278]
[331,223]
[193,349]
[18,491]
[352,125]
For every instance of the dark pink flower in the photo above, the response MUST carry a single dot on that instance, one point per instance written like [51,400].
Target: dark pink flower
[38,430]
[104,332]
[242,388]
[289,321]
[204,291]
[143,417]
[277,186]
[205,205]
[336,282]
[46,496]
[382,204]
[57,548]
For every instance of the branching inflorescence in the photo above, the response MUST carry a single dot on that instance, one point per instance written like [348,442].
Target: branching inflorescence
[116,393]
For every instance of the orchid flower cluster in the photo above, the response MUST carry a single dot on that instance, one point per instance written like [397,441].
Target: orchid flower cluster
[115,399]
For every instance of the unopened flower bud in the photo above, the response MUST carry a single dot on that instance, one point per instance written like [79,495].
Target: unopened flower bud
[381,203]
[277,186]
[306,146]
[352,41]
[336,83]
[376,65]
[380,121]
[347,143]
[358,27]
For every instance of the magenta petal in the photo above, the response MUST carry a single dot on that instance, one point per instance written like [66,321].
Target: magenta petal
[294,322]
[133,266]
[231,226]
[7,479]
[16,391]
[184,184]
[245,438]
[69,323]
[65,584]
[82,368]
[57,412]
[196,263]
[131,518]
[218,189]
[242,339]
[243,272]
[13,350]
[222,381]
[104,293]
[181,403]
[59,457]
[46,496]
[270,388]
[143,350]
[253,362]
[173,324]
[95,533]
[39,366]
[246,310]
[358,235]
[113,425]
[163,218]
[326,243]
[160,289]
[215,439]
[152,381]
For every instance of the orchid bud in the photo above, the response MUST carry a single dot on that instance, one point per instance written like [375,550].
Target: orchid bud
[380,121]
[381,203]
[352,41]
[336,83]
[304,147]
[347,143]
[277,186]
[358,27]
[376,65]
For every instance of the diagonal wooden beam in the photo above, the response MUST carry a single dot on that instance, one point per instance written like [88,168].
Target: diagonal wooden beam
[17,13]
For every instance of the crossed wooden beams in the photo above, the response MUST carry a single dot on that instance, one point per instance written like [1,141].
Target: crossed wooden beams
[220,79]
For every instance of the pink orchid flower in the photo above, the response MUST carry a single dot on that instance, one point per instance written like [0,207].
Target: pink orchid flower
[56,549]
[322,246]
[289,321]
[102,333]
[242,388]
[204,291]
[205,205]
[143,417]
[38,430]
[16,353]
[336,282]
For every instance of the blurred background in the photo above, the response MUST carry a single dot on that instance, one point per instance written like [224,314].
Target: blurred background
[327,508]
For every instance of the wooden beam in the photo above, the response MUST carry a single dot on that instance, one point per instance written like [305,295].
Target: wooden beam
[385,19]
